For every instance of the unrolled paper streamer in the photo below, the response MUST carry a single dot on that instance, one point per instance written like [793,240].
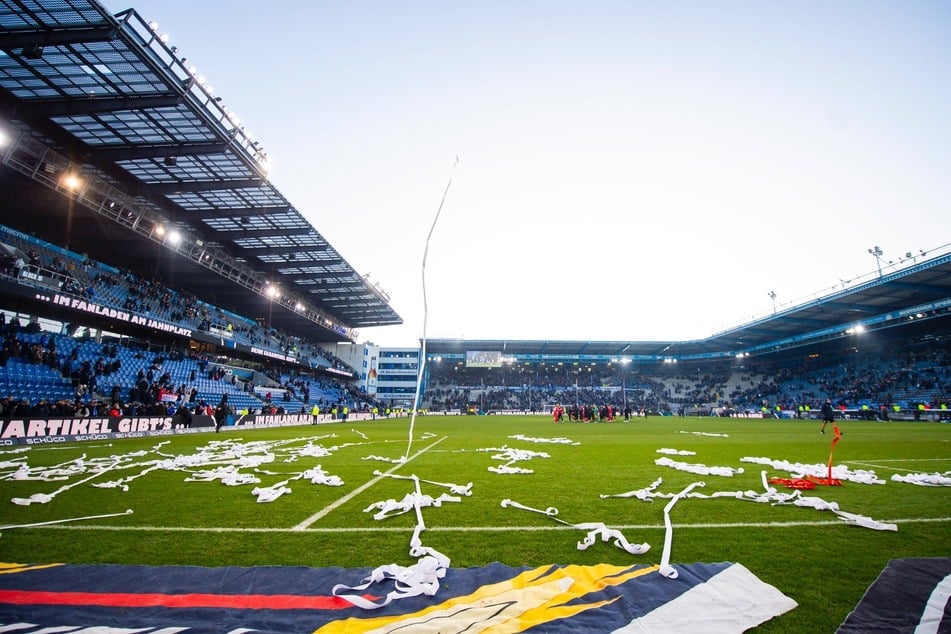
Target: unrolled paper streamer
[456,489]
[925,479]
[665,568]
[800,470]
[271,493]
[596,530]
[399,460]
[43,498]
[314,451]
[420,578]
[865,521]
[557,441]
[511,456]
[551,511]
[646,494]
[409,581]
[68,519]
[676,452]
[23,472]
[769,496]
[219,460]
[123,483]
[318,475]
[227,475]
[507,469]
[850,518]
[699,469]
[410,501]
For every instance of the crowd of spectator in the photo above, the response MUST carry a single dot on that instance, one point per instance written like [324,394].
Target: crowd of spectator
[144,294]
[155,390]
[885,378]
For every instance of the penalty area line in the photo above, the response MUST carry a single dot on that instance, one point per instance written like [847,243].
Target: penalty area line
[360,489]
[467,529]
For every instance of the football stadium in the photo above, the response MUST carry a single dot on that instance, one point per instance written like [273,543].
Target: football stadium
[194,438]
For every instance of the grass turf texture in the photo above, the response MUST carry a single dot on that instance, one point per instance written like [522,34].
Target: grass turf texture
[818,560]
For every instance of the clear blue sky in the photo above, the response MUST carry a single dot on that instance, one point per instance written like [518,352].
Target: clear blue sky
[627,170]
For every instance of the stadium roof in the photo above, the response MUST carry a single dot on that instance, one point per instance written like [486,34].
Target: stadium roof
[915,297]
[156,153]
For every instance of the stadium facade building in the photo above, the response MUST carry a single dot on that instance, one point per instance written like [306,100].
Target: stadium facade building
[385,373]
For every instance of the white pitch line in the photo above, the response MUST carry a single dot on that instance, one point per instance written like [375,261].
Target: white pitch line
[360,489]
[471,529]
[910,459]
[881,466]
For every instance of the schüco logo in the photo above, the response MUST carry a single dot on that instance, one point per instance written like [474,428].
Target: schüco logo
[42,440]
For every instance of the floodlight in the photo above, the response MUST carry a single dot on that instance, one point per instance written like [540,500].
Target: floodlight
[265,164]
[71,182]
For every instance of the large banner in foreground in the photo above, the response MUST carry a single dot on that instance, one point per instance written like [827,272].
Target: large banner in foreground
[910,595]
[711,598]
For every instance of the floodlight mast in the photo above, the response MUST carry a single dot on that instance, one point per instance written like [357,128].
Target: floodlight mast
[878,253]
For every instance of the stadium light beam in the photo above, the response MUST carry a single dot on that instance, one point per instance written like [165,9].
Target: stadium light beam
[772,296]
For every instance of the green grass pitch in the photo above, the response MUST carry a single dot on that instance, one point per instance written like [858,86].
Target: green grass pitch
[812,556]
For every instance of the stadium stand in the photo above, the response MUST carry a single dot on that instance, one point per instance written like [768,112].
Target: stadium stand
[116,250]
[900,372]
[111,372]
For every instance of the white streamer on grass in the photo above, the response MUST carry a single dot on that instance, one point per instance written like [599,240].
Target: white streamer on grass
[456,489]
[43,498]
[422,352]
[597,531]
[64,520]
[422,578]
[665,568]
